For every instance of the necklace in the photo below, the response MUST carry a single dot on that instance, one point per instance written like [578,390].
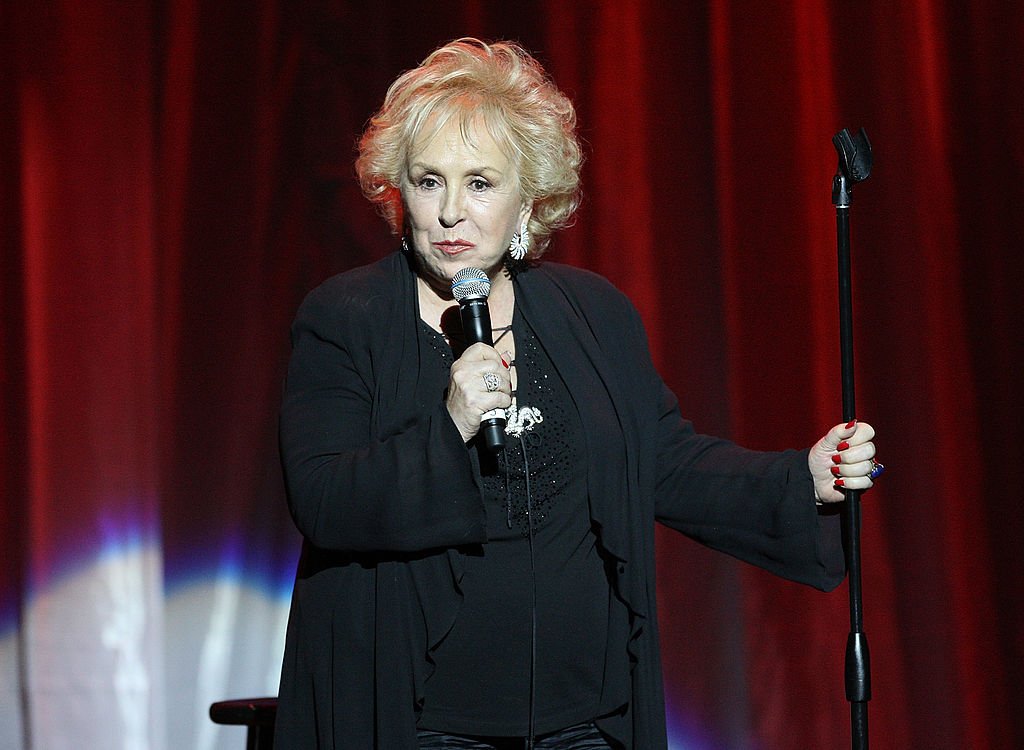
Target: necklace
[504,330]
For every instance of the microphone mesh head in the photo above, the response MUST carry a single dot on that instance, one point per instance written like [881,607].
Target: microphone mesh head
[470,282]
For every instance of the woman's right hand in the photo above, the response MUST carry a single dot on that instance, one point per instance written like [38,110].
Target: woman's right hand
[468,396]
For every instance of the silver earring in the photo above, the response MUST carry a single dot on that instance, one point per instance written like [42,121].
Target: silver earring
[405,246]
[520,244]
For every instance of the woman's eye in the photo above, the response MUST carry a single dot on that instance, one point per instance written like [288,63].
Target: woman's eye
[479,184]
[428,182]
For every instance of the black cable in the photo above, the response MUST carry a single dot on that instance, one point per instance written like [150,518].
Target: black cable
[533,613]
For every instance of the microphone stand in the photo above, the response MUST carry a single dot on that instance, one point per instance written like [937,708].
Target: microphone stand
[854,166]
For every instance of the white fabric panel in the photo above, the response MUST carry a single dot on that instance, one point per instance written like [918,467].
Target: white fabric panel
[113,664]
[11,727]
[225,640]
[94,664]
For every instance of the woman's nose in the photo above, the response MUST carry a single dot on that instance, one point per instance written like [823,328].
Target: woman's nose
[451,209]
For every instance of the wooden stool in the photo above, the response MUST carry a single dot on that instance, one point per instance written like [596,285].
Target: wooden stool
[258,714]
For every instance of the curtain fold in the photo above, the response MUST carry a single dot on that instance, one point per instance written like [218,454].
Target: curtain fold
[178,173]
[89,644]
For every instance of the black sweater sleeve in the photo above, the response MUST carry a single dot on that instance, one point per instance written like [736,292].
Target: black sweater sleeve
[348,487]
[757,506]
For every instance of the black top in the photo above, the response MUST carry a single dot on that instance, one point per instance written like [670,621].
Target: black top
[481,684]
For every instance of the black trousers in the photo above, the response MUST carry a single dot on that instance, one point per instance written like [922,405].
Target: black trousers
[579,737]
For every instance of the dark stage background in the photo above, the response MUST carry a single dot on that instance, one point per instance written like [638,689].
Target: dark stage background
[177,174]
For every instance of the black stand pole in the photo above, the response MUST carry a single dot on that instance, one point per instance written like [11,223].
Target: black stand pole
[854,166]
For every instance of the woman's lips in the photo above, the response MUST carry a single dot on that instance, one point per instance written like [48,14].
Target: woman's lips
[453,247]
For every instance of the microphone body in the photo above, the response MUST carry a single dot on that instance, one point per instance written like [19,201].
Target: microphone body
[470,287]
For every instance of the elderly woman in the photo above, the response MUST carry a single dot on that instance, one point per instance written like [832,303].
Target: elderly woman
[451,595]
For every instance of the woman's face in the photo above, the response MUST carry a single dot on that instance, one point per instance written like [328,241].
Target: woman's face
[462,203]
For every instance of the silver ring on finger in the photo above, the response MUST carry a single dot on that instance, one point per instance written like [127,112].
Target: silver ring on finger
[491,382]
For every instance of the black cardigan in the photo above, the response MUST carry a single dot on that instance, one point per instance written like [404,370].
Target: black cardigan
[386,495]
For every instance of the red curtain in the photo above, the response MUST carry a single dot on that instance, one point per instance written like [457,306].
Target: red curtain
[177,173]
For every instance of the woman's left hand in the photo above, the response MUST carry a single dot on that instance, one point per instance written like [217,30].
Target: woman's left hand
[843,459]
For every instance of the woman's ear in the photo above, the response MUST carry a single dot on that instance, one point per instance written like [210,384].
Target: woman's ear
[525,213]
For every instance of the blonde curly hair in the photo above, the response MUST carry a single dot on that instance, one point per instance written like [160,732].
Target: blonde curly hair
[529,118]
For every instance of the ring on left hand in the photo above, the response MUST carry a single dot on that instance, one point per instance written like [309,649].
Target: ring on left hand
[491,382]
[876,469]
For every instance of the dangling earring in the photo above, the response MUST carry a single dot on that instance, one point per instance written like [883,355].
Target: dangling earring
[405,246]
[520,244]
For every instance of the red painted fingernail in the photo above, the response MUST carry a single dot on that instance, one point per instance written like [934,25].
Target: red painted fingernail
[851,423]
[504,363]
[835,470]
[836,459]
[839,483]
[843,446]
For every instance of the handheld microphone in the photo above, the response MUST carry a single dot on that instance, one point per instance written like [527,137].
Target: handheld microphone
[470,287]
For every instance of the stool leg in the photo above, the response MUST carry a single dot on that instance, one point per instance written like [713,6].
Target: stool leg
[260,738]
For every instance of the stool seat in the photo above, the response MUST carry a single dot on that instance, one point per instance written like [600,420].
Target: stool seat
[258,714]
